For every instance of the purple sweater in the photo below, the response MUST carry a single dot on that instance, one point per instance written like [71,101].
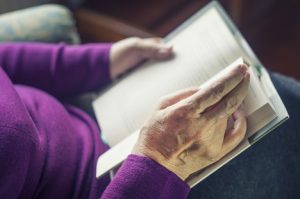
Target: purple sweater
[49,150]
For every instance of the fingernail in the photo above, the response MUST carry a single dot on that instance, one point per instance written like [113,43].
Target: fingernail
[243,68]
[164,51]
[247,75]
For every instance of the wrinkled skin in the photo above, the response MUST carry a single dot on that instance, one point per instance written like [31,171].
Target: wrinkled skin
[189,130]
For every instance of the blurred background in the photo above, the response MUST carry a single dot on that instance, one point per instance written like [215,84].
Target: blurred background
[272,27]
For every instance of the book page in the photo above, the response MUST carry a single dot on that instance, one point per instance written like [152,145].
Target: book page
[201,51]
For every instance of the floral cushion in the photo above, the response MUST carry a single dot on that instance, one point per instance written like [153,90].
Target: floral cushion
[47,23]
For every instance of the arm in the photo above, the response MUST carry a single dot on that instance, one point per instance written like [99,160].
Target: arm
[141,177]
[19,146]
[69,70]
[58,69]
[186,133]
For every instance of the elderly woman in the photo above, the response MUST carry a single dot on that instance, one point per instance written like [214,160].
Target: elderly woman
[49,149]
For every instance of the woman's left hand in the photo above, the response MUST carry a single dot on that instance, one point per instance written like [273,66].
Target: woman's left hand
[127,53]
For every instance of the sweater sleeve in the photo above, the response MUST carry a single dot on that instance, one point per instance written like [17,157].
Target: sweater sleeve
[59,69]
[141,177]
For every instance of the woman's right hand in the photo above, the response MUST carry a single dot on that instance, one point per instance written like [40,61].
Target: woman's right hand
[189,129]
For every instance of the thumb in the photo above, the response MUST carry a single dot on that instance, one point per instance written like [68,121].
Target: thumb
[235,135]
[154,48]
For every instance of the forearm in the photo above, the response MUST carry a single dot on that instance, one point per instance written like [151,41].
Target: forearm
[141,177]
[58,69]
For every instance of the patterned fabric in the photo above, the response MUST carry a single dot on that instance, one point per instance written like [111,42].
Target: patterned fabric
[47,23]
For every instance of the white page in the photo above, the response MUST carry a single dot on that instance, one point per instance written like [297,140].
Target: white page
[201,51]
[258,119]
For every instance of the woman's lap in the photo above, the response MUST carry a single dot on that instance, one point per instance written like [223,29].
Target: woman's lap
[269,169]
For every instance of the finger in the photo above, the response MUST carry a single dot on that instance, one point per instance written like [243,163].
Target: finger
[154,48]
[173,98]
[215,89]
[235,135]
[231,102]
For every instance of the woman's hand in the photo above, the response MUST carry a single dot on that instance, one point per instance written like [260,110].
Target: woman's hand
[189,129]
[127,53]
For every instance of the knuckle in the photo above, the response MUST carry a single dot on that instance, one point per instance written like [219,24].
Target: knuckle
[231,104]
[218,89]
[214,91]
[212,153]
[179,112]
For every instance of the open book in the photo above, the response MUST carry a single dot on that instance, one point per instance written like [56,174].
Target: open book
[204,46]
